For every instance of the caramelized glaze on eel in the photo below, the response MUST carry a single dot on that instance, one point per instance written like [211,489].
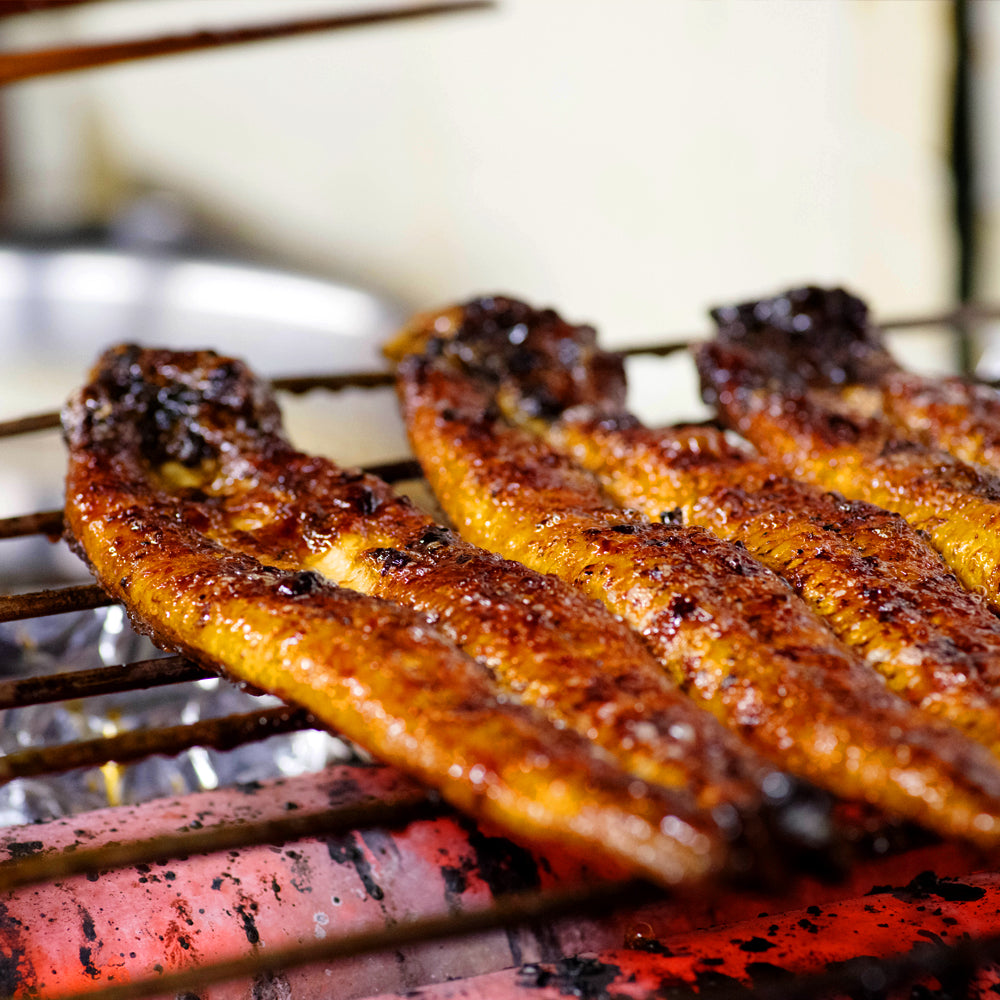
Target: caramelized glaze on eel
[734,635]
[194,511]
[797,376]
[873,578]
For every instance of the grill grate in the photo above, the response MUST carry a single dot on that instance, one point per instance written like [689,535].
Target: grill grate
[226,732]
[406,806]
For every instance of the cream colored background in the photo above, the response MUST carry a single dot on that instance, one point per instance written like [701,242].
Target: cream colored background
[631,162]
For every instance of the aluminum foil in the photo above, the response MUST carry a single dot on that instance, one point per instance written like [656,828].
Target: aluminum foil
[83,640]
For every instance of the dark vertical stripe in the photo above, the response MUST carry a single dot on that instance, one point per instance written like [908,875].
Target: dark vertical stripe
[963,171]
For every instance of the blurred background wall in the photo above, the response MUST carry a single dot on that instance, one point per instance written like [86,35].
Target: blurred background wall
[632,163]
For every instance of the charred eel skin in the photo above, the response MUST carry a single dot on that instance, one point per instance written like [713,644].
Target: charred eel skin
[185,499]
[881,587]
[797,376]
[956,414]
[735,636]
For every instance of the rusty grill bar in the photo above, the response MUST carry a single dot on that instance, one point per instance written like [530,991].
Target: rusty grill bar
[234,730]
[26,65]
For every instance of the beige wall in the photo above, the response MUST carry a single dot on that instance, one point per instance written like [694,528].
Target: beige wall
[631,162]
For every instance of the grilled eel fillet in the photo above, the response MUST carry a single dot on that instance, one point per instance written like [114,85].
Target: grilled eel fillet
[881,587]
[793,374]
[192,508]
[737,639]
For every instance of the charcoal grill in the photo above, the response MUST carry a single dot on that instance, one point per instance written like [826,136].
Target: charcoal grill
[564,907]
[649,945]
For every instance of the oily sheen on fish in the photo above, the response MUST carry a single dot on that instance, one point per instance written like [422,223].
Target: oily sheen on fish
[734,635]
[379,673]
[878,584]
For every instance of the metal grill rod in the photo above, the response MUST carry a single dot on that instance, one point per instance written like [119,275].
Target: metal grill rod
[37,604]
[135,676]
[16,67]
[537,906]
[222,733]
[378,379]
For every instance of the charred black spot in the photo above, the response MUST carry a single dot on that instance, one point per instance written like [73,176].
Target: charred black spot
[682,606]
[550,364]
[928,884]
[364,501]
[12,976]
[249,924]
[434,537]
[756,944]
[624,529]
[541,402]
[675,516]
[736,565]
[504,866]
[86,960]
[229,385]
[455,880]
[808,336]
[300,584]
[87,924]
[24,848]
[389,559]
[344,850]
